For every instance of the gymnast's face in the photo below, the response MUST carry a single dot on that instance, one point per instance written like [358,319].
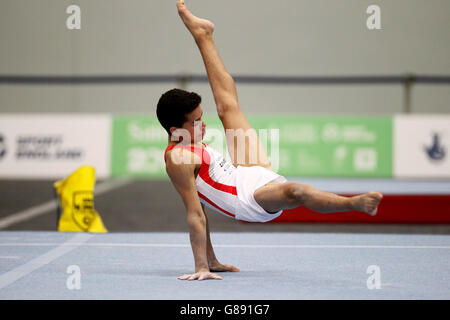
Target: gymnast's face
[194,125]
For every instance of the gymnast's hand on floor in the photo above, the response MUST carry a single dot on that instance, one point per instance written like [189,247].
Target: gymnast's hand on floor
[215,266]
[201,275]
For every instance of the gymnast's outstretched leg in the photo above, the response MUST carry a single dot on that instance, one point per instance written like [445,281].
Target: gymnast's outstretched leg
[274,197]
[244,145]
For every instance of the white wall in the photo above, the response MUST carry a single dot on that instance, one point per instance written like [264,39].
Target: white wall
[286,37]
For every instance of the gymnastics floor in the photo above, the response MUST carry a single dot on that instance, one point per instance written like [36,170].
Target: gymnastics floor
[147,248]
[39,265]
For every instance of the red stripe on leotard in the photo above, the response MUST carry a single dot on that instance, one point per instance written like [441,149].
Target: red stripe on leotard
[215,205]
[204,168]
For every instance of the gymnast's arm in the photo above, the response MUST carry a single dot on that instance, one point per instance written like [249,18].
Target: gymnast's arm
[209,248]
[213,263]
[181,171]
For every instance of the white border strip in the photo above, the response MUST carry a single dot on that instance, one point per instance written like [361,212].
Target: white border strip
[12,276]
[247,246]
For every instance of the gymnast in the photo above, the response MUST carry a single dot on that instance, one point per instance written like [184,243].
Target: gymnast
[245,187]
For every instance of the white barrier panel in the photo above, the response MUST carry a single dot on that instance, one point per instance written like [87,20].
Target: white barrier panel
[422,146]
[51,146]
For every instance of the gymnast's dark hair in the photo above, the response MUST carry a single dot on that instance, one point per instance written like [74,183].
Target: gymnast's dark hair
[174,105]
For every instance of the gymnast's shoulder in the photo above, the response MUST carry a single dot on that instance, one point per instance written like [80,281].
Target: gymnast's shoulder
[182,161]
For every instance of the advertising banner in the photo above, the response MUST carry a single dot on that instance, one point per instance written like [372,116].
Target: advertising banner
[297,146]
[138,145]
[332,146]
[51,146]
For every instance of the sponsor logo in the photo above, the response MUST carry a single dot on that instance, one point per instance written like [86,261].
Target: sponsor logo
[435,151]
[83,208]
[2,147]
[45,147]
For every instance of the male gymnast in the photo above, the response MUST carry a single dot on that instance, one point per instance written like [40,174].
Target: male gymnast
[242,188]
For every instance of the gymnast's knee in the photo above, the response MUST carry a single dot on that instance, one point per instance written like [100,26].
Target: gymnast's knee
[296,192]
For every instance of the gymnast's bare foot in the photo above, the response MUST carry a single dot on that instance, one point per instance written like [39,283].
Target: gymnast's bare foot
[367,202]
[198,27]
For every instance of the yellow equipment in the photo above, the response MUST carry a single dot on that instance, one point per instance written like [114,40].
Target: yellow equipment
[76,199]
